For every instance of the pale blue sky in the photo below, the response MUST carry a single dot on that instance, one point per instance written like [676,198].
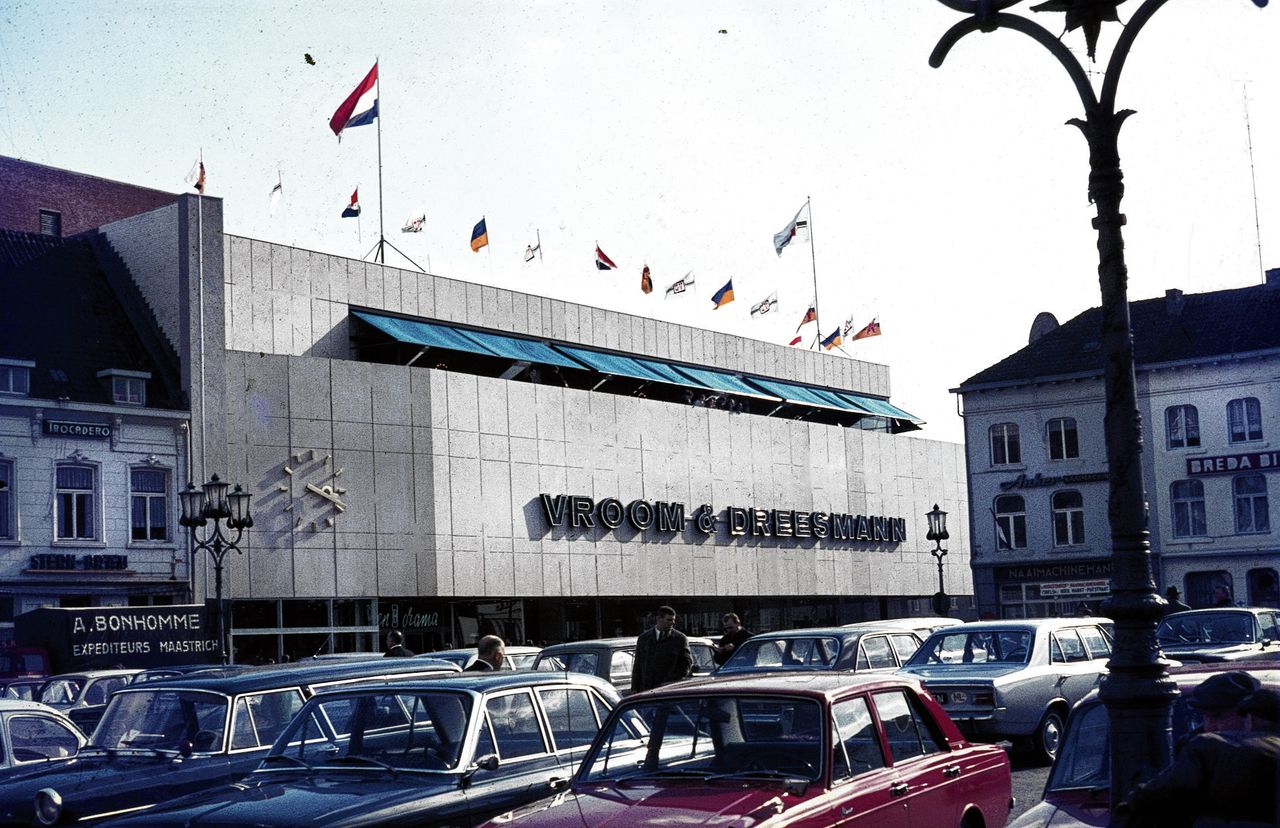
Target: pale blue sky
[950,203]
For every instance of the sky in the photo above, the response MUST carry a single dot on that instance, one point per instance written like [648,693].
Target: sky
[950,204]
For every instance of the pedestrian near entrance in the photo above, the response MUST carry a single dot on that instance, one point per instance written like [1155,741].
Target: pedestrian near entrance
[1220,778]
[734,635]
[395,645]
[490,651]
[1171,597]
[662,654]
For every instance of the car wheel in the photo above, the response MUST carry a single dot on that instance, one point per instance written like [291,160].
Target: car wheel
[1048,737]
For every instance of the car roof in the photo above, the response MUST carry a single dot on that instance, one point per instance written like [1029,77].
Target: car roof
[23,706]
[241,679]
[837,632]
[1187,676]
[828,684]
[1023,624]
[620,643]
[1207,610]
[467,652]
[905,623]
[94,674]
[482,682]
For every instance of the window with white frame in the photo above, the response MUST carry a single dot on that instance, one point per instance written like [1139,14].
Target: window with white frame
[1244,420]
[1068,518]
[74,502]
[1064,443]
[1011,522]
[15,377]
[8,516]
[1187,497]
[1006,448]
[127,387]
[1250,492]
[148,504]
[1182,426]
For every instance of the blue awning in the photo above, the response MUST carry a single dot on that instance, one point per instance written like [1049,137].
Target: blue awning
[722,381]
[417,332]
[523,350]
[616,364]
[883,408]
[797,394]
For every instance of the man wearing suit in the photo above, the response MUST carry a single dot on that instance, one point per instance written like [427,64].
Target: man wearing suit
[662,654]
[490,651]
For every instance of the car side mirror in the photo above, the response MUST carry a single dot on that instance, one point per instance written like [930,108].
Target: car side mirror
[487,762]
[185,748]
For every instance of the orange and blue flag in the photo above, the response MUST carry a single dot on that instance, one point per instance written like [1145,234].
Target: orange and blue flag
[872,329]
[833,340]
[723,296]
[479,237]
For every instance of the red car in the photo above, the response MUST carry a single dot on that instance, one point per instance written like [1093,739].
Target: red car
[794,750]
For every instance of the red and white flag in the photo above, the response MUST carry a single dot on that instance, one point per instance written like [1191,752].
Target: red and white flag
[603,262]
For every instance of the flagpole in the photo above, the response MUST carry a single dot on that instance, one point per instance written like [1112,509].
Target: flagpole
[382,237]
[200,302]
[817,317]
[539,233]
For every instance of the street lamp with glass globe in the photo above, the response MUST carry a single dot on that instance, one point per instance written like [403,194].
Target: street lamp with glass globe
[211,502]
[938,533]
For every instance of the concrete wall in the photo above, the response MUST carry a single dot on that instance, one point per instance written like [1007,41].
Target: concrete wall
[285,300]
[149,245]
[441,473]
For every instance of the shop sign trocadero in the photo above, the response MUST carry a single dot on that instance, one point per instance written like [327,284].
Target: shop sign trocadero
[580,512]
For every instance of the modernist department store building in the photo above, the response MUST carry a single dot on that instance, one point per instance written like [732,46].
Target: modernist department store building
[454,459]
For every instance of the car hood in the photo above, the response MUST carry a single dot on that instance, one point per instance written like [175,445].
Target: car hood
[963,672]
[312,800]
[1073,809]
[1210,652]
[650,806]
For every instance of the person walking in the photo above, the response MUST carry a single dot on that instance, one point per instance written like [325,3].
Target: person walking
[662,654]
[1172,598]
[1221,777]
[490,653]
[395,645]
[734,635]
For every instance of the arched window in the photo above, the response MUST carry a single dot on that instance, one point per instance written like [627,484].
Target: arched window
[1064,443]
[1068,518]
[1011,522]
[1244,420]
[1182,426]
[1006,449]
[1250,492]
[1187,497]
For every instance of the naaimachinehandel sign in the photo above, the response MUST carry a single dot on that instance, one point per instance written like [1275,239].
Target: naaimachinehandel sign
[580,512]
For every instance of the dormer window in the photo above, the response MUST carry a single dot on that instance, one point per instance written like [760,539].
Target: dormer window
[127,387]
[15,377]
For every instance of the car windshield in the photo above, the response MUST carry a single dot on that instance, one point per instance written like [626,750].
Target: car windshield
[798,653]
[976,647]
[163,720]
[1084,761]
[420,730]
[61,691]
[1206,628]
[747,736]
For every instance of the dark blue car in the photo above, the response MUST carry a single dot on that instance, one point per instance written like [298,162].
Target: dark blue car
[162,739]
[452,751]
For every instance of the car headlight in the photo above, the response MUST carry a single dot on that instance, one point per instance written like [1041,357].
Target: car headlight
[48,806]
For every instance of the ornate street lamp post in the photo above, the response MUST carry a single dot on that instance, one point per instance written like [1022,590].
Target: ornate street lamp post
[938,533]
[211,502]
[1137,691]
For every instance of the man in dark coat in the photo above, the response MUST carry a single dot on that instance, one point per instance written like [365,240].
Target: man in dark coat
[395,645]
[662,654]
[1173,599]
[490,651]
[1222,777]
[734,635]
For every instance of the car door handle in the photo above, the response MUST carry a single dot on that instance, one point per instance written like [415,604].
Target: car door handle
[898,790]
[555,783]
[951,771]
[846,810]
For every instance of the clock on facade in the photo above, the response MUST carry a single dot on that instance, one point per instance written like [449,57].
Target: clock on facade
[316,498]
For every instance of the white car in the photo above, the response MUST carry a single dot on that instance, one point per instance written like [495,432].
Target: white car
[31,732]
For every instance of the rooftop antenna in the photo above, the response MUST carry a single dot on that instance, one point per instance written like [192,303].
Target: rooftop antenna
[1253,178]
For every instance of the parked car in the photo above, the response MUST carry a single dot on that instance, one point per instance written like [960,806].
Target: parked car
[1014,679]
[517,658]
[612,658]
[1220,634]
[445,752]
[83,696]
[833,749]
[1078,792]
[176,670]
[162,738]
[923,627]
[32,733]
[824,648]
[24,662]
[25,689]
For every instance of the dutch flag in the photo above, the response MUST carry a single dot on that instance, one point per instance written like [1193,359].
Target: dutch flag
[360,107]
